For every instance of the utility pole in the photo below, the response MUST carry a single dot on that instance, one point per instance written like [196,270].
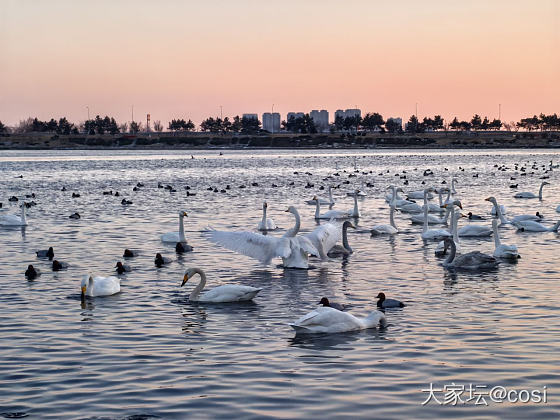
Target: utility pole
[221,113]
[500,112]
[272,119]
[87,112]
[132,113]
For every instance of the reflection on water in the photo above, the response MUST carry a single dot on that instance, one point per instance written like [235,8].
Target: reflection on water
[149,350]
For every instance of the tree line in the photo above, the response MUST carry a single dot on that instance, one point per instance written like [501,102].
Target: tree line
[303,124]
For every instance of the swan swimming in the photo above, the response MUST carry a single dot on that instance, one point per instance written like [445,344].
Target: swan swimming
[474,260]
[331,214]
[503,250]
[355,211]
[221,294]
[440,249]
[100,286]
[432,233]
[13,219]
[323,201]
[266,223]
[294,250]
[498,210]
[532,226]
[325,319]
[344,249]
[391,228]
[527,194]
[178,236]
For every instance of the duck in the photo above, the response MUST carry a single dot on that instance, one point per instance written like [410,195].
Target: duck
[474,260]
[503,250]
[266,223]
[528,194]
[221,294]
[474,216]
[175,237]
[126,202]
[59,265]
[161,261]
[122,268]
[383,302]
[326,319]
[325,302]
[129,253]
[13,219]
[75,216]
[100,286]
[46,253]
[32,273]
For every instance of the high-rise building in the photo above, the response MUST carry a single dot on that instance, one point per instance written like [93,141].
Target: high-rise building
[348,113]
[321,119]
[295,115]
[251,116]
[271,122]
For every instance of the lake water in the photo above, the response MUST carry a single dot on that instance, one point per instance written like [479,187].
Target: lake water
[149,352]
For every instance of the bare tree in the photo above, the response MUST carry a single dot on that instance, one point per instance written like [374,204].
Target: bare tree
[158,126]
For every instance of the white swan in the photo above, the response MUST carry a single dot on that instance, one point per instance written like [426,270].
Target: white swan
[453,182]
[294,250]
[432,233]
[325,237]
[503,250]
[100,286]
[527,194]
[331,214]
[266,223]
[177,236]
[325,319]
[355,211]
[411,208]
[472,230]
[440,249]
[323,201]
[344,249]
[220,294]
[472,261]
[532,226]
[391,228]
[419,195]
[498,210]
[14,219]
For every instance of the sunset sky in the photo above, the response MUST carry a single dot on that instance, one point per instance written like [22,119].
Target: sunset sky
[186,58]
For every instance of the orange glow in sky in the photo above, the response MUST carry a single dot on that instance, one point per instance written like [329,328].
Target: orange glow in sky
[187,58]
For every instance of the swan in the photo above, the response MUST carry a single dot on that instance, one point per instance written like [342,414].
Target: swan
[503,250]
[266,223]
[358,193]
[391,228]
[355,212]
[527,194]
[440,249]
[100,286]
[220,294]
[472,261]
[472,230]
[325,319]
[325,237]
[325,302]
[32,273]
[498,209]
[432,233]
[331,214]
[13,219]
[323,201]
[178,236]
[419,195]
[389,197]
[453,182]
[46,253]
[383,302]
[411,208]
[532,226]
[294,250]
[494,212]
[344,249]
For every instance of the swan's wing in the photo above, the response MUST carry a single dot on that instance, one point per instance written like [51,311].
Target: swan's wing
[325,237]
[254,245]
[230,293]
[305,244]
[475,258]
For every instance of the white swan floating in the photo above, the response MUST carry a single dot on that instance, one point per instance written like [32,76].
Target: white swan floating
[504,220]
[323,201]
[325,319]
[331,214]
[502,250]
[391,228]
[432,233]
[266,223]
[221,294]
[14,219]
[471,261]
[532,226]
[440,249]
[100,286]
[294,250]
[527,194]
[174,237]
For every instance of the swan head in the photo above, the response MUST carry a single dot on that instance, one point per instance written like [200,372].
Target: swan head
[188,274]
[183,214]
[545,183]
[86,279]
[291,209]
[265,205]
[491,199]
[347,224]
[454,203]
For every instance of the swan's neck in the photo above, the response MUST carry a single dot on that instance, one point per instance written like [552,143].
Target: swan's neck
[453,186]
[294,231]
[447,213]
[182,229]
[454,222]
[330,195]
[540,191]
[497,241]
[23,219]
[345,238]
[90,285]
[264,216]
[425,227]
[392,217]
[196,292]
[440,198]
[499,213]
[448,196]
[356,211]
[451,255]
[317,209]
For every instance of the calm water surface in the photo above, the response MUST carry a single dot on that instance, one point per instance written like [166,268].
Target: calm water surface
[149,352]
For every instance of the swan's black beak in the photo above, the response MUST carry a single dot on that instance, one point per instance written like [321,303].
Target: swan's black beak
[287,210]
[185,279]
[487,199]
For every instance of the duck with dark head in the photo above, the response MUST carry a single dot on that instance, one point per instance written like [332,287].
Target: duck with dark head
[383,302]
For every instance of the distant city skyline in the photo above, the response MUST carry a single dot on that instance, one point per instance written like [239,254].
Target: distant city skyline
[186,59]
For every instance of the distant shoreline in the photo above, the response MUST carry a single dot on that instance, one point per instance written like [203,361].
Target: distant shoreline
[202,141]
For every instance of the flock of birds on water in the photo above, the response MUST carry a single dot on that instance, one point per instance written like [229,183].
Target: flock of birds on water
[328,240]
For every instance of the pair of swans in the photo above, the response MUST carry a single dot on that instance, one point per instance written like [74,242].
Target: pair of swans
[428,233]
[221,294]
[14,219]
[323,201]
[391,228]
[266,223]
[175,237]
[516,219]
[527,194]
[337,214]
[326,319]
